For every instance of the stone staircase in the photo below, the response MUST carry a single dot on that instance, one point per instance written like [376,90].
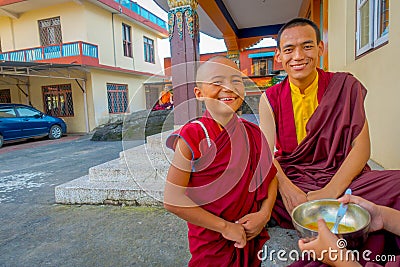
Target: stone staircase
[136,178]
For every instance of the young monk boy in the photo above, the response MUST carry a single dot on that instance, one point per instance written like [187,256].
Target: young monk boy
[221,180]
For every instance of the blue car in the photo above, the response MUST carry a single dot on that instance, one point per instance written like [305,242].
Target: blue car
[19,121]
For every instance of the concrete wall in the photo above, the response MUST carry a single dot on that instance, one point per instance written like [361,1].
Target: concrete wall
[75,123]
[23,32]
[377,70]
[101,23]
[99,80]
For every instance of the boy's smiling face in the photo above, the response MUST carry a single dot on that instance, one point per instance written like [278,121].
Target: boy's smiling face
[220,85]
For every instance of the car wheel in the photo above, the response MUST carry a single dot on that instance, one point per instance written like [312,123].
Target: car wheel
[55,132]
[1,140]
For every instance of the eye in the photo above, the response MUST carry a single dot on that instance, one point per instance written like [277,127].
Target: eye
[217,83]
[308,47]
[237,81]
[287,50]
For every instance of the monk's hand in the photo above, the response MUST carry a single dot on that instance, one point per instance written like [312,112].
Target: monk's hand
[292,196]
[253,224]
[235,232]
[321,193]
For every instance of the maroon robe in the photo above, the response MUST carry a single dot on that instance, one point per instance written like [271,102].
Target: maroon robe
[229,183]
[337,121]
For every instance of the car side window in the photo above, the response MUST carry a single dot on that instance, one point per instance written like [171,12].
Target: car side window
[7,113]
[27,112]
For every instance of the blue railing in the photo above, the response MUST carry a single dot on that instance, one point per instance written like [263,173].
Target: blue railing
[90,50]
[51,52]
[142,12]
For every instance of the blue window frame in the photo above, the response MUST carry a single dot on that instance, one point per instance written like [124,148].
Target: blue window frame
[117,95]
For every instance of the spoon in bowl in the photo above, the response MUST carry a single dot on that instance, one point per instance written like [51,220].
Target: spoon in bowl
[341,212]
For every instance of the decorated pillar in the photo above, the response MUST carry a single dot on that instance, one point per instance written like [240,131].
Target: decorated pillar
[234,55]
[183,23]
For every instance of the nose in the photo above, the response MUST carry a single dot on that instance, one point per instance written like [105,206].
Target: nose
[298,54]
[229,87]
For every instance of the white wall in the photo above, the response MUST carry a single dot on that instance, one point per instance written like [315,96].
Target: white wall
[377,70]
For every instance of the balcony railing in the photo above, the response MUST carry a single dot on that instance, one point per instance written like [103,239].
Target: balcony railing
[52,52]
[142,12]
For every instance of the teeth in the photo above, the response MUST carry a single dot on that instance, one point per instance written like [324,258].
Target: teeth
[226,99]
[299,66]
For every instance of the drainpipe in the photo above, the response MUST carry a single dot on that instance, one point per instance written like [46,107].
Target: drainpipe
[113,38]
[85,107]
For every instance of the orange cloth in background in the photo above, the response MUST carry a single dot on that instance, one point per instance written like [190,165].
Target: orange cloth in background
[165,97]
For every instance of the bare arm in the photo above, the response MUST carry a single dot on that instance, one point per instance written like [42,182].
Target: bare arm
[292,195]
[351,167]
[176,201]
[253,223]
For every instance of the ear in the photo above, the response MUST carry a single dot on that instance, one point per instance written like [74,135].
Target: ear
[278,55]
[321,48]
[198,93]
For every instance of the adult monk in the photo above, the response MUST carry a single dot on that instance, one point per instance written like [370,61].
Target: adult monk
[221,180]
[322,137]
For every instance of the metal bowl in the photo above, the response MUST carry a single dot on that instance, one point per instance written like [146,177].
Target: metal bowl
[356,217]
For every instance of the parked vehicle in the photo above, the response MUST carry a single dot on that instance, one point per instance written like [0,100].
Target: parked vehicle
[19,121]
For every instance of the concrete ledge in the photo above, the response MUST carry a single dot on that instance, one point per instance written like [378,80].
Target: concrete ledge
[83,191]
[111,171]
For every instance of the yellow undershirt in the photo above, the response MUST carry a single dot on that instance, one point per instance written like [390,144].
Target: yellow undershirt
[304,106]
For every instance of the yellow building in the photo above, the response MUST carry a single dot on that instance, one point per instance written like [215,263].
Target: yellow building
[82,60]
[364,40]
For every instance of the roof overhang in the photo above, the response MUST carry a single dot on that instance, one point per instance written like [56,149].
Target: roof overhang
[243,23]
[45,70]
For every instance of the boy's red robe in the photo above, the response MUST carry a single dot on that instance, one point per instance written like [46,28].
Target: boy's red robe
[335,124]
[230,179]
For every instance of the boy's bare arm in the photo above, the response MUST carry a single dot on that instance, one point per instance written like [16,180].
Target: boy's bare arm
[253,223]
[176,201]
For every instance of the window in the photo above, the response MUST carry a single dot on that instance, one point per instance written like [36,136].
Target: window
[7,112]
[127,40]
[262,66]
[372,24]
[117,95]
[58,100]
[27,112]
[148,50]
[5,96]
[50,31]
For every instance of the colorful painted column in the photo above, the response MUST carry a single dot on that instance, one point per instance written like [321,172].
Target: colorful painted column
[234,55]
[183,23]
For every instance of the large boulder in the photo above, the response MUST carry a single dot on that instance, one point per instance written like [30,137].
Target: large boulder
[135,126]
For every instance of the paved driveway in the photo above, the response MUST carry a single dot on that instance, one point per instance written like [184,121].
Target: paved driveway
[36,232]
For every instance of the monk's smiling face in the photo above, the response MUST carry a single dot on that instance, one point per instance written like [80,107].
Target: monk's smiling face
[299,53]
[220,85]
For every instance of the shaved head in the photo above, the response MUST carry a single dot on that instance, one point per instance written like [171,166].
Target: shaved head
[206,69]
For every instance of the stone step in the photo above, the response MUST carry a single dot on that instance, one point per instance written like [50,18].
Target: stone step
[111,171]
[84,191]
